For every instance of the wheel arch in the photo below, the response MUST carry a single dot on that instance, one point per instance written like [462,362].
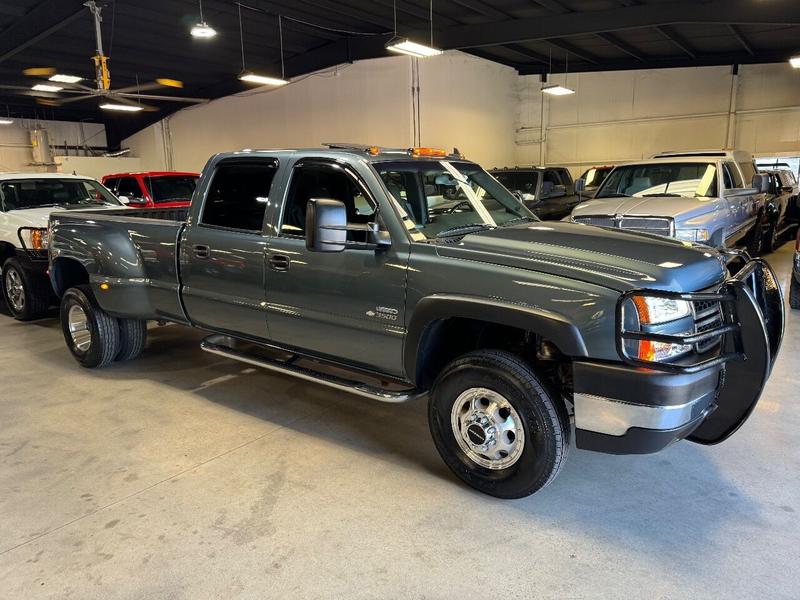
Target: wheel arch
[436,318]
[66,273]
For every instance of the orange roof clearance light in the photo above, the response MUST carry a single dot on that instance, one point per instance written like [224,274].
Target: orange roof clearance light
[435,152]
[373,150]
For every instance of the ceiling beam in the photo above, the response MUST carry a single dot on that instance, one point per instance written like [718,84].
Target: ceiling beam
[781,12]
[678,41]
[553,6]
[494,58]
[520,49]
[484,9]
[741,39]
[574,50]
[44,19]
[620,45]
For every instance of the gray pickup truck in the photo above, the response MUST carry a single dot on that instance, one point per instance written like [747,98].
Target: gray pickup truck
[399,273]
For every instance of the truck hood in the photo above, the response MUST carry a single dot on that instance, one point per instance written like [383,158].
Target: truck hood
[38,217]
[653,206]
[618,260]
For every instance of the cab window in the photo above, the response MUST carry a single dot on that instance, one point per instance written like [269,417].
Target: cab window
[238,195]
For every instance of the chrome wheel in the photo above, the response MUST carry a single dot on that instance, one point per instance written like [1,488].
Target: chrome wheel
[15,290]
[487,428]
[78,324]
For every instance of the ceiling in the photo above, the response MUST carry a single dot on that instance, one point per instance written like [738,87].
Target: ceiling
[147,39]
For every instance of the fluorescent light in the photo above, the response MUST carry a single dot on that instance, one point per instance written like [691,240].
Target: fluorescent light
[43,87]
[122,107]
[261,79]
[557,90]
[795,62]
[6,121]
[203,30]
[404,46]
[66,78]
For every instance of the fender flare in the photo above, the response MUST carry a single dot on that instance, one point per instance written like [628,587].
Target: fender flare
[438,307]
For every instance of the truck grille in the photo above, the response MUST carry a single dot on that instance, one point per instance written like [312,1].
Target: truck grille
[707,315]
[655,225]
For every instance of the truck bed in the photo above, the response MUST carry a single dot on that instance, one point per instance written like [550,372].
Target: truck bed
[141,246]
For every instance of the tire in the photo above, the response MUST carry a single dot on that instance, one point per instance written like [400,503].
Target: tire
[484,380]
[756,244]
[132,338]
[771,238]
[794,292]
[92,335]
[25,297]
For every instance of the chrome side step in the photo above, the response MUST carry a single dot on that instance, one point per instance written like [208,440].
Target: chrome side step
[223,346]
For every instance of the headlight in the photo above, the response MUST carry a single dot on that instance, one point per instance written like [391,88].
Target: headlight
[692,235]
[657,315]
[34,239]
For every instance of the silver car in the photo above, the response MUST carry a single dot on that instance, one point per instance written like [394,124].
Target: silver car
[714,198]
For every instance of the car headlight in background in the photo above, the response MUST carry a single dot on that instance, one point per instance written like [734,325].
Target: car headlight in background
[654,314]
[692,235]
[34,238]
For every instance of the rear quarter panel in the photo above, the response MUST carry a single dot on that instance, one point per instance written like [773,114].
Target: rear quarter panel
[135,256]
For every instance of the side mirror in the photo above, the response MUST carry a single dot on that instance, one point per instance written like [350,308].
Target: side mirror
[760,182]
[124,199]
[326,225]
[580,186]
[557,191]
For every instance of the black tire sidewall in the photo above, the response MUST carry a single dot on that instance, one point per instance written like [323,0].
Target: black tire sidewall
[25,314]
[534,467]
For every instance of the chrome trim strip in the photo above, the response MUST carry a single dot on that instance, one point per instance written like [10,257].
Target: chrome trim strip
[614,417]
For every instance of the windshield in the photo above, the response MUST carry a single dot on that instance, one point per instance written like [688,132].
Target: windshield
[595,176]
[171,188]
[21,194]
[690,180]
[443,199]
[517,181]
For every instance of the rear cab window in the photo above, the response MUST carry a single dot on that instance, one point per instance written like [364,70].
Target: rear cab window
[171,188]
[238,195]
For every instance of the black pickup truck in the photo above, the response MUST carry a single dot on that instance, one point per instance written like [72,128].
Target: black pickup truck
[399,273]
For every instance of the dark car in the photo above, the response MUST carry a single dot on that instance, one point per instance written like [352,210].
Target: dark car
[781,206]
[399,273]
[594,177]
[548,192]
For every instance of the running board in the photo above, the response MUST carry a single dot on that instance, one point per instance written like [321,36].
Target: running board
[215,344]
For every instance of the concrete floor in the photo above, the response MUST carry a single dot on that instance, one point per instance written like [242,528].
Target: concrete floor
[181,475]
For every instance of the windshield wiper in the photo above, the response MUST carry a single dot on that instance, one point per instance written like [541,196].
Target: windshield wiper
[460,229]
[663,195]
[612,196]
[37,206]
[518,220]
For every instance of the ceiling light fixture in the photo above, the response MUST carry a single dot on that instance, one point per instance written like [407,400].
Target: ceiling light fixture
[43,87]
[6,121]
[557,90]
[202,29]
[121,107]
[58,77]
[795,62]
[403,45]
[251,77]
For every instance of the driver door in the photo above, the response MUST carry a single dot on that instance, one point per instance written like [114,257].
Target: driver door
[348,306]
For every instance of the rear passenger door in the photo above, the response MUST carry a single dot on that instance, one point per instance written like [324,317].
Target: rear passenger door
[741,202]
[222,254]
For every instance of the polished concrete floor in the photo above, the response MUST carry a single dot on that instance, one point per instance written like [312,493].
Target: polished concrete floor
[182,475]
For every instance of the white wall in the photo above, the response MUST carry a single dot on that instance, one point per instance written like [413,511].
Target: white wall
[96,166]
[627,115]
[15,141]
[465,102]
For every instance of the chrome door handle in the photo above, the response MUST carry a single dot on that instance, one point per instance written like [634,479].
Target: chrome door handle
[279,262]
[201,251]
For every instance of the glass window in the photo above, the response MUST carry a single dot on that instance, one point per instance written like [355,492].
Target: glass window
[238,195]
[524,182]
[324,181]
[36,193]
[443,199]
[595,176]
[172,188]
[691,180]
[111,184]
[748,170]
[552,177]
[733,179]
[129,187]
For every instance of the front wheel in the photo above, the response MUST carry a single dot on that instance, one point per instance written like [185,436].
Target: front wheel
[25,297]
[92,336]
[496,426]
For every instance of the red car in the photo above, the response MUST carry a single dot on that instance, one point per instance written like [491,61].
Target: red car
[150,189]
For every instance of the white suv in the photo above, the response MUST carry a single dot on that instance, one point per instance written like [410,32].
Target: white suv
[26,201]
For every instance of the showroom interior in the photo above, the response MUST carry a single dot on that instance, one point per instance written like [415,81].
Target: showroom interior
[399,298]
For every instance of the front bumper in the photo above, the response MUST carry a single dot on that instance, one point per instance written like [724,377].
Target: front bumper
[638,408]
[34,262]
